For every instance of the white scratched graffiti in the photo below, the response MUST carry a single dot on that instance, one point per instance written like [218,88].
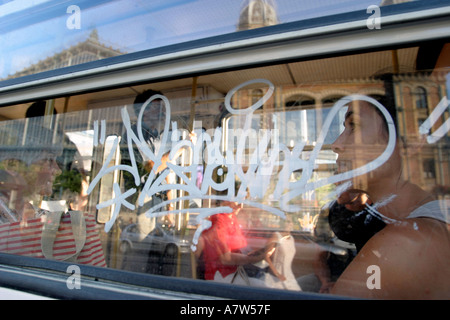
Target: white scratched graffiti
[271,160]
[425,128]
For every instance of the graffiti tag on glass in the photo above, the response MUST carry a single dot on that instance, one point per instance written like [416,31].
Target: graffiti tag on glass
[270,159]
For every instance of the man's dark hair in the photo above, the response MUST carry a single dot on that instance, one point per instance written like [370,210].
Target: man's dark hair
[142,97]
[387,100]
[37,109]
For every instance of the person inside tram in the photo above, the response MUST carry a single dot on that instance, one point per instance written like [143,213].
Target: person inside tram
[221,247]
[399,228]
[328,264]
[28,171]
[280,258]
[73,182]
[151,127]
[37,109]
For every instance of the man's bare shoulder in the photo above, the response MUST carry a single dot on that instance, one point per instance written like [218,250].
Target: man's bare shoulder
[412,258]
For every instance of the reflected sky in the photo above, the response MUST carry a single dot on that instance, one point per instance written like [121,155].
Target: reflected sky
[31,31]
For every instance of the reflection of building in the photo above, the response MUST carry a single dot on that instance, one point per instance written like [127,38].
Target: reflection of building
[89,50]
[257,14]
[416,97]
[298,109]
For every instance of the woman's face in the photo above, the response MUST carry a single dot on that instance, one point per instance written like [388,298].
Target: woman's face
[364,139]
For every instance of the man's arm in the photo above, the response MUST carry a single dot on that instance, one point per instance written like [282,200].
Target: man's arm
[385,268]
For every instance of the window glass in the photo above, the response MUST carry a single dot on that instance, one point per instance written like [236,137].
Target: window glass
[326,181]
[43,35]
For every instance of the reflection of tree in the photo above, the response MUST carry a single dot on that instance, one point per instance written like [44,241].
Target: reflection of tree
[68,187]
[68,180]
[323,193]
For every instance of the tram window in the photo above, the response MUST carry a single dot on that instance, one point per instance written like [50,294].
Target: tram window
[152,180]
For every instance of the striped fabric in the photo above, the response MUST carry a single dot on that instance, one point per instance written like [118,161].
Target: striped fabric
[25,239]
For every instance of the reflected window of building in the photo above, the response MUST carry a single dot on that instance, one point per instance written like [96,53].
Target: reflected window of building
[421,98]
[429,170]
